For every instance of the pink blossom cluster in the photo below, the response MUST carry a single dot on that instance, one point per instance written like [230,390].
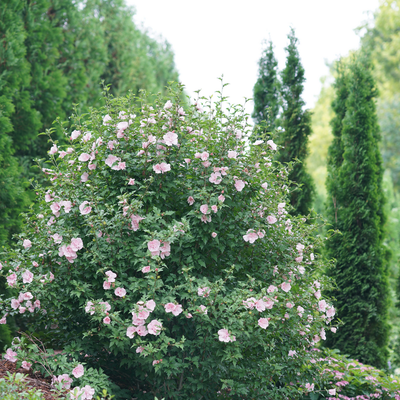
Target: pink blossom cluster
[260,305]
[159,248]
[225,336]
[85,393]
[69,251]
[28,305]
[139,317]
[251,236]
[175,309]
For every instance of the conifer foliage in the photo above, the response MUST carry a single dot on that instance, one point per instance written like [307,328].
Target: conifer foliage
[296,123]
[355,207]
[266,89]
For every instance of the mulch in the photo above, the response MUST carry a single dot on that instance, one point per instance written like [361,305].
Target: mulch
[34,380]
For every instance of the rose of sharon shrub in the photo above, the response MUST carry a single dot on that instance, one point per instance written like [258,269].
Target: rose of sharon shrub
[175,265]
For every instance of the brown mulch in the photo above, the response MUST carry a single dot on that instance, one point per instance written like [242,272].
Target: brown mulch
[34,380]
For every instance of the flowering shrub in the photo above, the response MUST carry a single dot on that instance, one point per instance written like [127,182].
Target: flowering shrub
[163,253]
[352,380]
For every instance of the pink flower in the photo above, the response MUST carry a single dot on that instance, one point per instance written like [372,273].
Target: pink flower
[27,277]
[271,219]
[271,144]
[53,150]
[141,330]
[76,244]
[165,249]
[26,365]
[57,238]
[154,246]
[263,323]
[292,353]
[214,235]
[299,259]
[168,105]
[154,327]
[190,200]
[322,305]
[232,154]
[145,270]
[120,292]
[221,198]
[139,349]
[156,362]
[78,371]
[169,307]
[3,321]
[171,138]
[332,392]
[110,160]
[189,315]
[333,329]
[14,304]
[289,305]
[150,305]
[224,336]
[89,308]
[131,181]
[258,142]
[264,185]
[106,320]
[203,309]
[317,294]
[75,134]
[204,156]
[250,236]
[67,205]
[27,296]
[286,286]
[215,178]
[27,244]
[161,168]
[330,312]
[10,355]
[204,291]
[55,208]
[84,157]
[85,209]
[11,279]
[204,208]
[84,177]
[130,332]
[106,285]
[309,387]
[135,221]
[88,392]
[214,208]
[239,185]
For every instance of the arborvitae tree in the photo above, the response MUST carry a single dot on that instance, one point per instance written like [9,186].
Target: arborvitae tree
[296,123]
[266,90]
[356,199]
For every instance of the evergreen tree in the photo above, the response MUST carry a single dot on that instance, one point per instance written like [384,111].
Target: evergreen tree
[354,187]
[296,123]
[266,89]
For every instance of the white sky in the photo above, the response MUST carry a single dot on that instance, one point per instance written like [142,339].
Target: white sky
[215,37]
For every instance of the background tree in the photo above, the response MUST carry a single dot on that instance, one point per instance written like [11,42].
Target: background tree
[296,123]
[266,89]
[355,186]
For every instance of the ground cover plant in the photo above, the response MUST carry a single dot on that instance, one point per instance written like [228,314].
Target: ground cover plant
[353,380]
[162,260]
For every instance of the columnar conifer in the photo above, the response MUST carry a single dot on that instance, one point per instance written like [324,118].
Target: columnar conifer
[266,89]
[355,207]
[296,123]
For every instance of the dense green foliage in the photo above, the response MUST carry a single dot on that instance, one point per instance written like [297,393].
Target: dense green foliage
[148,252]
[266,89]
[296,124]
[54,54]
[356,208]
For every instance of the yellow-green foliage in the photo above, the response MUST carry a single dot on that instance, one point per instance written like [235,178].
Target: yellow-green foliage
[320,139]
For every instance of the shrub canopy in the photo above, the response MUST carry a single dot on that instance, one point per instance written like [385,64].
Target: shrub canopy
[163,253]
